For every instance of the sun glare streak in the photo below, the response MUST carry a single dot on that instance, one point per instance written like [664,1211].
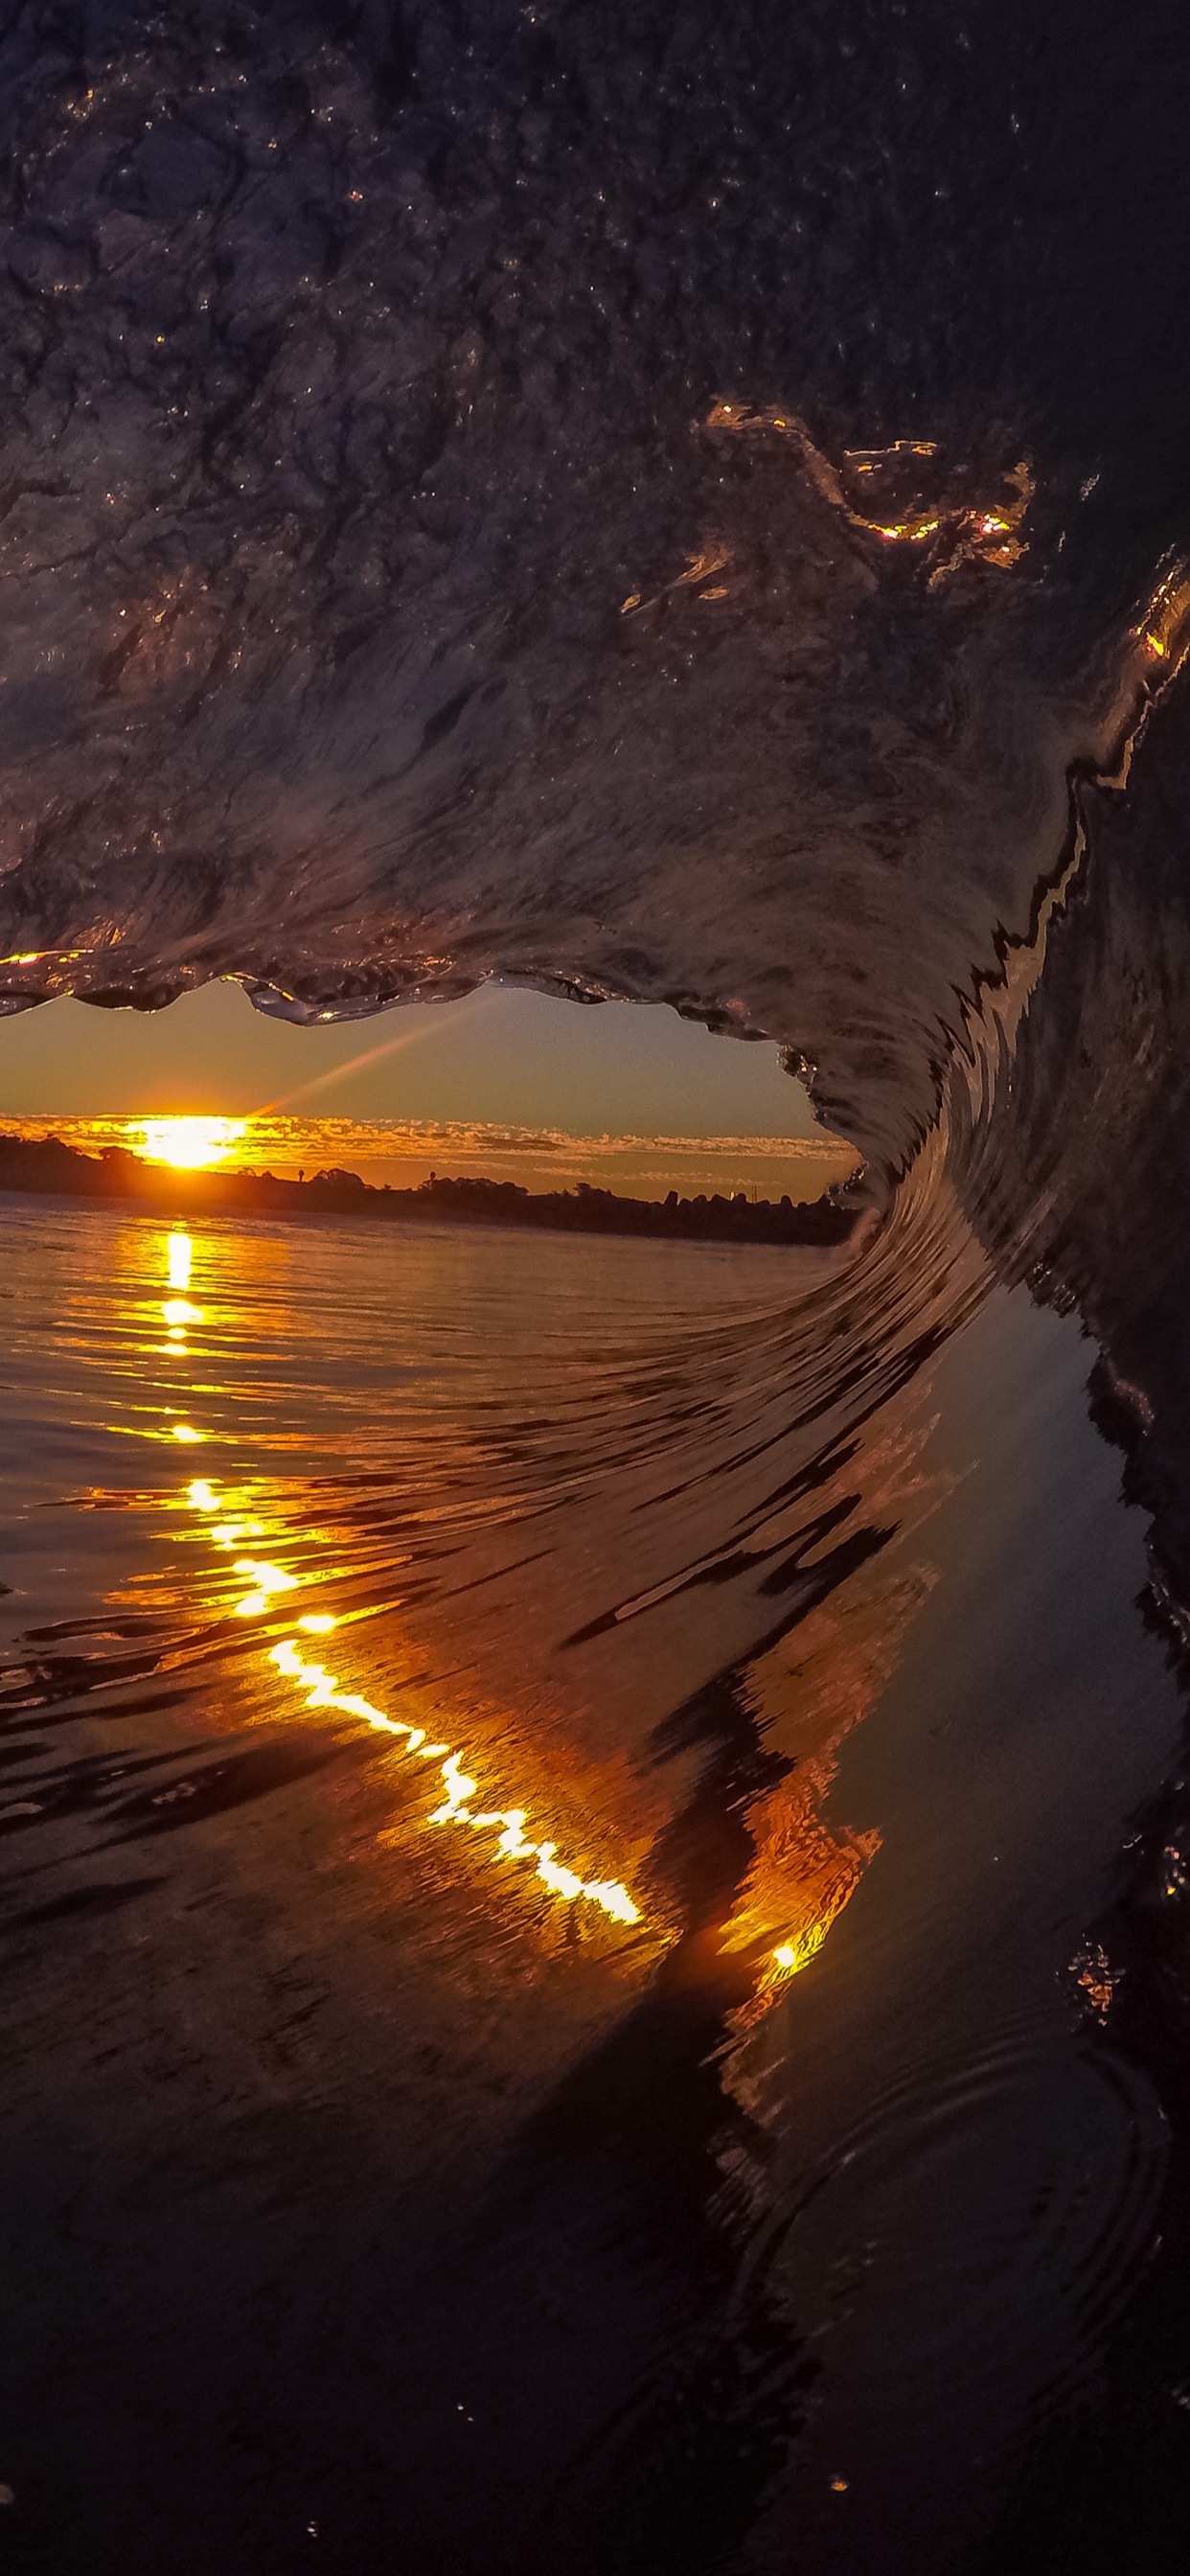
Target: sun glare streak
[406,1037]
[320,1689]
[180,1254]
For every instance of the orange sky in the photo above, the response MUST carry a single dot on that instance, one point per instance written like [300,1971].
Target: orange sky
[498,1056]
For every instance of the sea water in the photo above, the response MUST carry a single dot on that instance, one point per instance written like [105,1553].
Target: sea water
[556,1992]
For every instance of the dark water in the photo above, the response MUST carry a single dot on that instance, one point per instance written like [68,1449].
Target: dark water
[454,523]
[357,2177]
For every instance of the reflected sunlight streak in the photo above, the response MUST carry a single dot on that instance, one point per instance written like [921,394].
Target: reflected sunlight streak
[180,1254]
[320,1689]
[266,1585]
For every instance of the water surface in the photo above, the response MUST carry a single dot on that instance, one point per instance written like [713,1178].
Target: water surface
[767,2180]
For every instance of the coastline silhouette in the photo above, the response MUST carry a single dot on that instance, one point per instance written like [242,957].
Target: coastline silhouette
[47,1167]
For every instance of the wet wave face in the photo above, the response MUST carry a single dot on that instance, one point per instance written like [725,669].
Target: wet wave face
[601,1821]
[580,494]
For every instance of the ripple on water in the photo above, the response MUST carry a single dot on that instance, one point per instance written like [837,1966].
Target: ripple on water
[977,2234]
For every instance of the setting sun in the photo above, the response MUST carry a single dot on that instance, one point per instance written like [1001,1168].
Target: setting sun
[190,1144]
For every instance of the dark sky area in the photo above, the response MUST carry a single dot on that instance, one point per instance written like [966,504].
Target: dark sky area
[500,1054]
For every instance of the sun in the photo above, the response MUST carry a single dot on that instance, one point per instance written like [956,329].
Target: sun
[189,1144]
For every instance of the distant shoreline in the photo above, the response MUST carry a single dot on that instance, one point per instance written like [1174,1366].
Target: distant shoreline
[49,1168]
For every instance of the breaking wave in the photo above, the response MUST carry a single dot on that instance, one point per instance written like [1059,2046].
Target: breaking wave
[632,502]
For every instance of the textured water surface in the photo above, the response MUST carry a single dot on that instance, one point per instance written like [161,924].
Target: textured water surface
[555,1841]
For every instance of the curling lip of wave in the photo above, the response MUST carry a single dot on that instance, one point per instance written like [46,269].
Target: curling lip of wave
[335,454]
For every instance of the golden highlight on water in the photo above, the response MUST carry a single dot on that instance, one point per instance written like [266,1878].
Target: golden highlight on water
[266,1584]
[319,1688]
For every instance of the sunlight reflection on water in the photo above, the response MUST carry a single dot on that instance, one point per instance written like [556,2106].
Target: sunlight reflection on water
[320,1689]
[436,1402]
[474,1522]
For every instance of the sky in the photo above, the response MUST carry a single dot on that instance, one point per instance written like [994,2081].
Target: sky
[499,1055]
